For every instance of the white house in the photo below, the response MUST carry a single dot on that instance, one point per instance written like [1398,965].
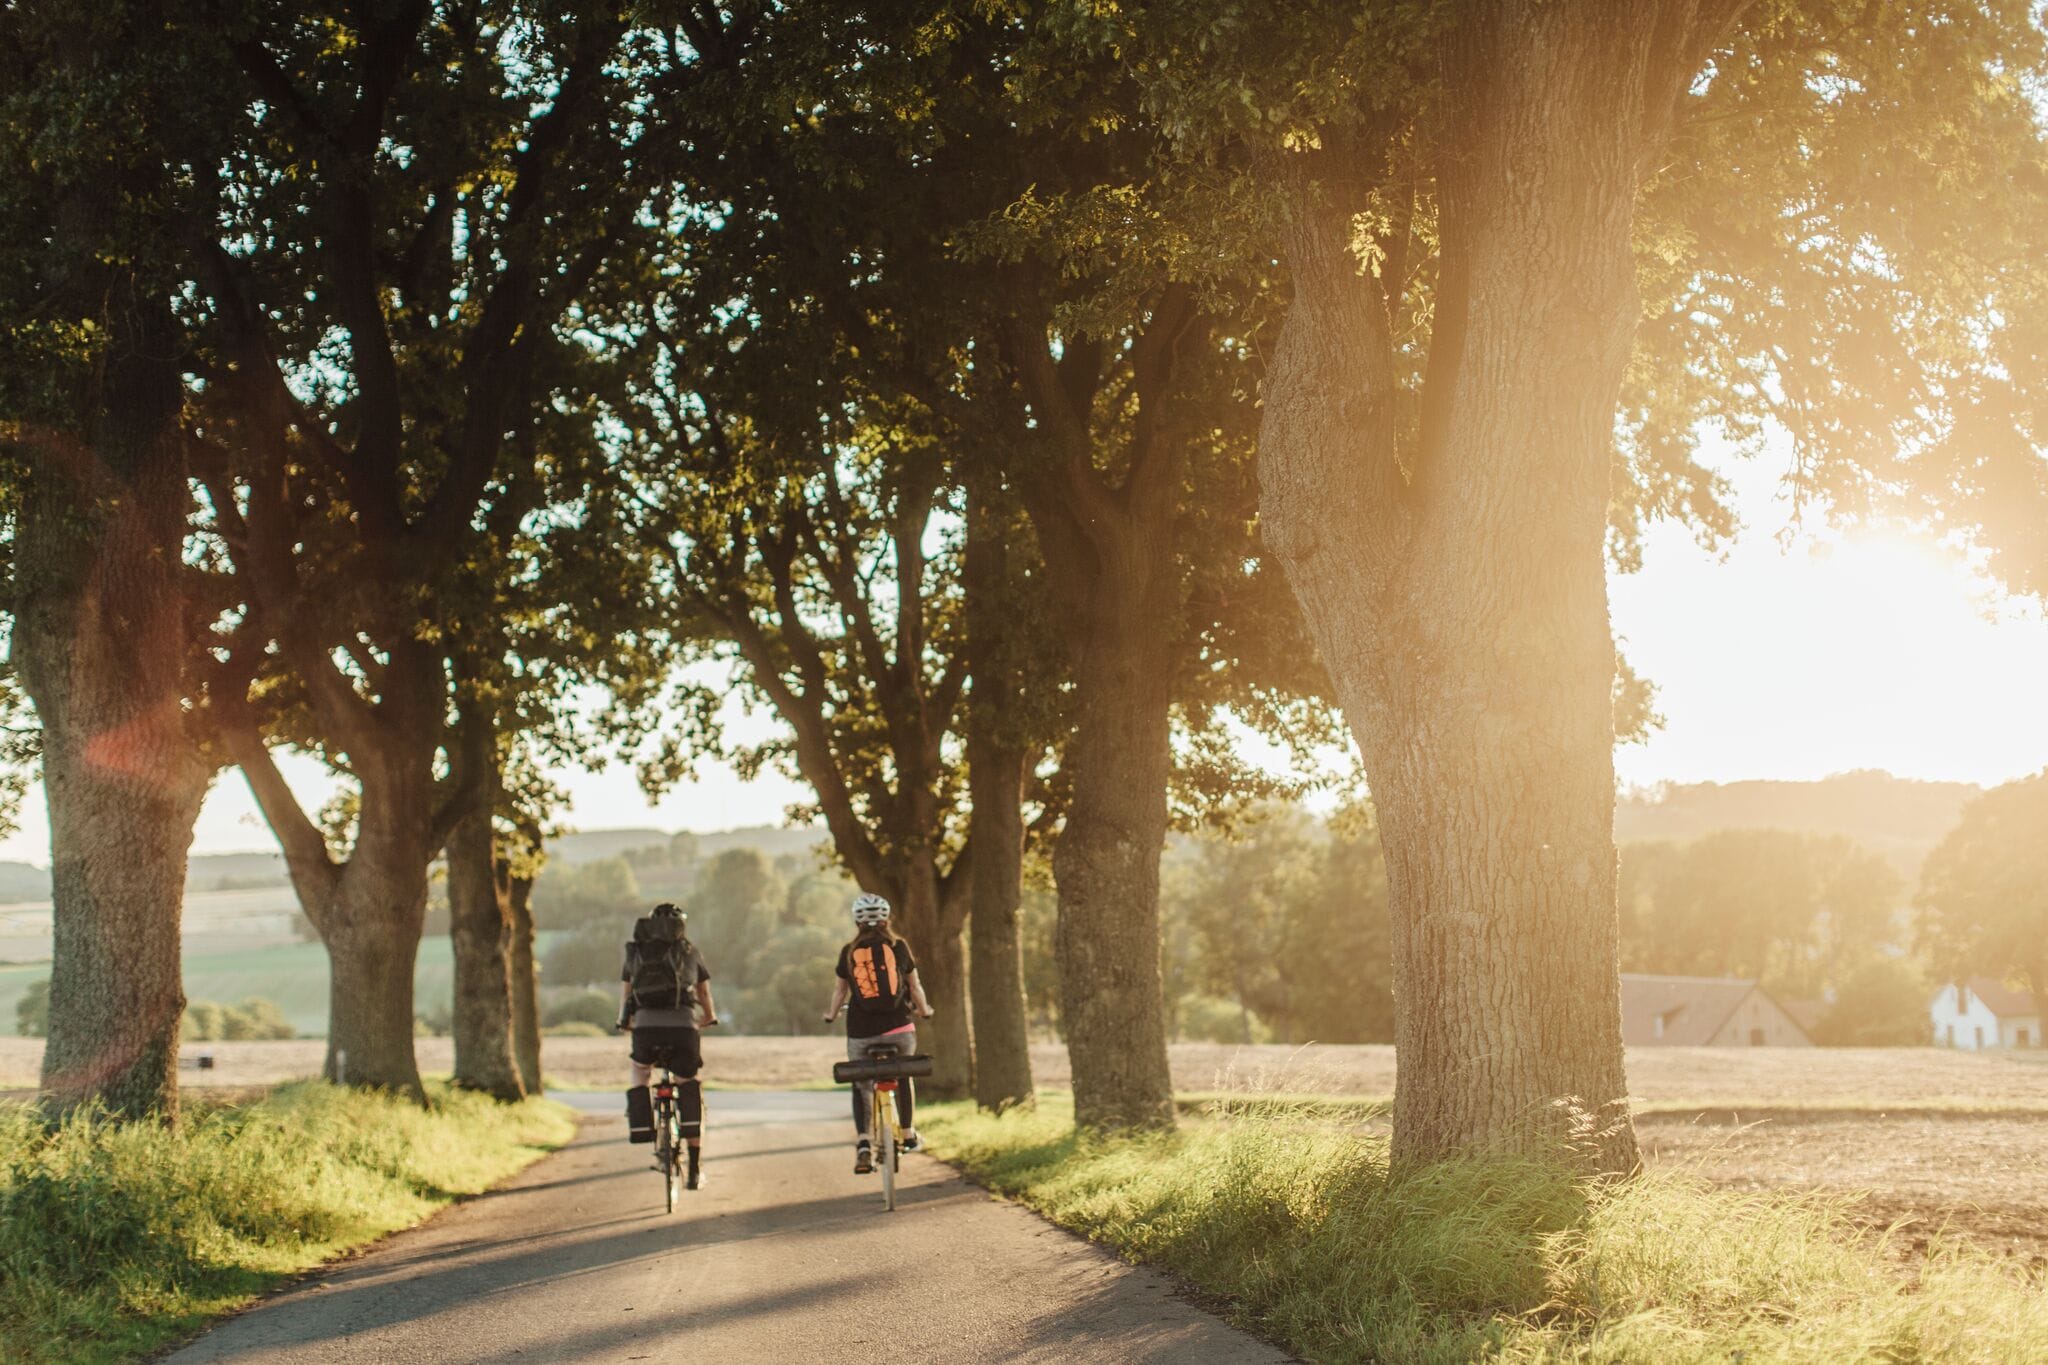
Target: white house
[1983,1013]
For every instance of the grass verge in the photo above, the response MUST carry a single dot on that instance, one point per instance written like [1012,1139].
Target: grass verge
[117,1239]
[1297,1226]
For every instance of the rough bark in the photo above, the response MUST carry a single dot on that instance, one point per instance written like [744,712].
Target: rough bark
[100,635]
[1457,591]
[525,985]
[923,918]
[370,909]
[997,762]
[372,946]
[1106,866]
[480,933]
[1002,1040]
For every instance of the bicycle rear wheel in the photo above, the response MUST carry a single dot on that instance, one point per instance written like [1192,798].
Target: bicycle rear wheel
[666,1131]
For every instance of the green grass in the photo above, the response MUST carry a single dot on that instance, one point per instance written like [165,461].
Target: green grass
[117,1239]
[1293,1222]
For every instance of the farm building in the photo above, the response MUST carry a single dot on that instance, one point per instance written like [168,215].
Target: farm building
[1703,1011]
[1983,1013]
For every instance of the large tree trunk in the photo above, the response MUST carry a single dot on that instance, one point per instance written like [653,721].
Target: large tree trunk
[525,985]
[1002,1040]
[1461,604]
[100,636]
[371,925]
[480,933]
[935,939]
[1106,864]
[996,766]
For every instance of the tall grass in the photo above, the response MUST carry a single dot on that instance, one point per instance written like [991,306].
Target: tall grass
[1296,1224]
[115,1239]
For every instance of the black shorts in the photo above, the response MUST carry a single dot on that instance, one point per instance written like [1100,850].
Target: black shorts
[675,1046]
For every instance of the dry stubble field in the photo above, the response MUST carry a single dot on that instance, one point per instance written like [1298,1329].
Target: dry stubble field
[1933,1138]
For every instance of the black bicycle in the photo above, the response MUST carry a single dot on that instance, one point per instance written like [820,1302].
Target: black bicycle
[668,1132]
[670,1150]
[882,1070]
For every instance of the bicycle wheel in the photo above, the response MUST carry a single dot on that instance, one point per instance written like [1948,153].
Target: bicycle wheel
[672,1171]
[665,1149]
[885,1139]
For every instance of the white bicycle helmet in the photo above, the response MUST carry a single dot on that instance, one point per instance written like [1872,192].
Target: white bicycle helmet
[868,908]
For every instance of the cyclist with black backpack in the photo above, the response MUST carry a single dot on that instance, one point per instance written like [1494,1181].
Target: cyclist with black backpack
[665,998]
[878,984]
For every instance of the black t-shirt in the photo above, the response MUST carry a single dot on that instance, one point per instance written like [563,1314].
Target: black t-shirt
[865,1019]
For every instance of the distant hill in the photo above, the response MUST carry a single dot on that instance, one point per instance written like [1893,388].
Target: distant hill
[1895,816]
[595,845]
[23,882]
[235,871]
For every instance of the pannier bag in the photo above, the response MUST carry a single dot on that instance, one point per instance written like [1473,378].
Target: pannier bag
[639,1115]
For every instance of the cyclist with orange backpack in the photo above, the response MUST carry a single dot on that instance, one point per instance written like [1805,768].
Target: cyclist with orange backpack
[883,998]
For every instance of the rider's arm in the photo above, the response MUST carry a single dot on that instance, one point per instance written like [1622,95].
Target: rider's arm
[704,1000]
[917,995]
[840,992]
[625,1003]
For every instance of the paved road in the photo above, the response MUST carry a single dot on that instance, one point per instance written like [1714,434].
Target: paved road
[786,1256]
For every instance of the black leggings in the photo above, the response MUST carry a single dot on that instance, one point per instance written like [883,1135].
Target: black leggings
[906,1106]
[904,1042]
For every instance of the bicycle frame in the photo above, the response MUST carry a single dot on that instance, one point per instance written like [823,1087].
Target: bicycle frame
[668,1134]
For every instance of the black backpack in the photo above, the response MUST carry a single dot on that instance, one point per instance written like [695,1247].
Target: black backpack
[878,981]
[654,963]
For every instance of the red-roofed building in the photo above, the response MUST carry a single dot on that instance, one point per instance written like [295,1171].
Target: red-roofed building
[1984,1013]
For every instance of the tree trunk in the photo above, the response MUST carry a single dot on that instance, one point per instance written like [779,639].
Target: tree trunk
[525,985]
[1106,864]
[100,637]
[371,926]
[942,966]
[480,932]
[1002,1039]
[996,766]
[1460,603]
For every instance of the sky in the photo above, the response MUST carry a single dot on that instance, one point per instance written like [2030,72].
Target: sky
[1789,658]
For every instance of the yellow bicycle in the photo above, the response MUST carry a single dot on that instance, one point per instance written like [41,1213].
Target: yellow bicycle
[882,1071]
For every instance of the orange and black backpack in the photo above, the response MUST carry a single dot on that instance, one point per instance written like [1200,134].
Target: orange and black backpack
[877,976]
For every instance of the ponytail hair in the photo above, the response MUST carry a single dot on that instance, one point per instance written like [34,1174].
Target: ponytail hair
[869,935]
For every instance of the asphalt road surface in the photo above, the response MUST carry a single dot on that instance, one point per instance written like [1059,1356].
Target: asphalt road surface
[785,1256]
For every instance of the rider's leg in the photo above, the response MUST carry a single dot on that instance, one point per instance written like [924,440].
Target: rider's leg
[905,1104]
[639,1103]
[690,1096]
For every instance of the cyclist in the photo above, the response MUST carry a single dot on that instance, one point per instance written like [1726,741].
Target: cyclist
[878,980]
[665,998]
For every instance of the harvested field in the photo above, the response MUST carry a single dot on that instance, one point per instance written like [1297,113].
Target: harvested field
[1981,1177]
